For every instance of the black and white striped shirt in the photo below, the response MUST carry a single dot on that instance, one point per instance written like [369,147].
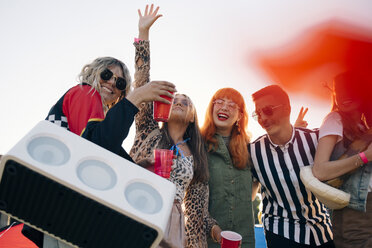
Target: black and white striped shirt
[289,209]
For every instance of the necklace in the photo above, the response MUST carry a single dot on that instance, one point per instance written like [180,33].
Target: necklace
[178,149]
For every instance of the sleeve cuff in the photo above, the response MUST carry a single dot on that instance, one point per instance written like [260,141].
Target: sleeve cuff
[137,40]
[131,106]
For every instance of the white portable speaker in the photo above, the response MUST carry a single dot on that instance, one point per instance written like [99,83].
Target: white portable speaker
[81,193]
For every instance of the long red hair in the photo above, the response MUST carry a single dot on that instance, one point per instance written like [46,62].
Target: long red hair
[239,137]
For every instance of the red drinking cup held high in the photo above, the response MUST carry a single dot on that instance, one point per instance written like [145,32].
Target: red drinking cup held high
[163,162]
[162,110]
[230,239]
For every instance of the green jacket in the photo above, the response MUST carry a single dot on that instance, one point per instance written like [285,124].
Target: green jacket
[230,198]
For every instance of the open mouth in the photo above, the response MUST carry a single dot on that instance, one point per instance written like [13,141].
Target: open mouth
[222,116]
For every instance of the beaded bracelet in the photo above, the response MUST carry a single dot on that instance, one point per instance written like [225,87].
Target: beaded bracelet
[359,161]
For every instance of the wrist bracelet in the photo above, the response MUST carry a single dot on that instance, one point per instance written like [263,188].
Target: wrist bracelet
[363,157]
[359,161]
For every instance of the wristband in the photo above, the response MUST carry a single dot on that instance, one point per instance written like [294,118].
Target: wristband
[359,161]
[363,157]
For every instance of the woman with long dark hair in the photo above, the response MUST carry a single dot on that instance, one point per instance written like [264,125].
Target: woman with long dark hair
[352,225]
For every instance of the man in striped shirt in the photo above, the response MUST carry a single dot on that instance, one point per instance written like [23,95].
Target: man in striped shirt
[292,215]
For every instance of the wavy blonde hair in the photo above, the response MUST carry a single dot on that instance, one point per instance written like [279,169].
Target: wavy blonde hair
[90,74]
[240,136]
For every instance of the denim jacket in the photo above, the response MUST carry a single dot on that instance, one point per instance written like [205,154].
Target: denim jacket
[356,183]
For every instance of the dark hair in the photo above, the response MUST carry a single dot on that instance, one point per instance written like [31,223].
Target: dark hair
[274,90]
[357,85]
[196,145]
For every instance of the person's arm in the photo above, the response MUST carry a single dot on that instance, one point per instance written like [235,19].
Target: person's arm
[113,129]
[142,57]
[145,123]
[144,120]
[255,182]
[325,170]
[146,20]
[83,109]
[149,91]
[330,133]
[196,213]
[255,187]
[142,64]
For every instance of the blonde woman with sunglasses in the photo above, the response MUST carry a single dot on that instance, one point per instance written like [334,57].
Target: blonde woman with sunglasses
[101,108]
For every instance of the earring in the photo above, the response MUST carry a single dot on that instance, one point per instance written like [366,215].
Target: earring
[237,122]
[237,126]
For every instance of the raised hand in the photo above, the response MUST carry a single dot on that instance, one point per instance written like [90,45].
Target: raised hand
[300,122]
[146,20]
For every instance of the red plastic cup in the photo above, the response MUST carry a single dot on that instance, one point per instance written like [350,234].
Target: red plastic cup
[162,110]
[163,162]
[230,239]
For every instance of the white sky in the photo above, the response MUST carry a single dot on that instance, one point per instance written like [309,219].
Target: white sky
[200,45]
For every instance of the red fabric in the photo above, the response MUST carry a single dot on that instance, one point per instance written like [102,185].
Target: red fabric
[310,62]
[13,238]
[81,104]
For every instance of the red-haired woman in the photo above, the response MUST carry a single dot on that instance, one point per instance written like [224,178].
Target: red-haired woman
[230,182]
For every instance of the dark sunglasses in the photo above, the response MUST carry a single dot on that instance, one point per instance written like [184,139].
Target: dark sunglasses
[268,111]
[120,83]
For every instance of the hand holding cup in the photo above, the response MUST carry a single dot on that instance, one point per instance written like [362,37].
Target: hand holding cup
[153,91]
[230,239]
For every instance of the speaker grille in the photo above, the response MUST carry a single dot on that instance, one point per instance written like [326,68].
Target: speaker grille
[67,214]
